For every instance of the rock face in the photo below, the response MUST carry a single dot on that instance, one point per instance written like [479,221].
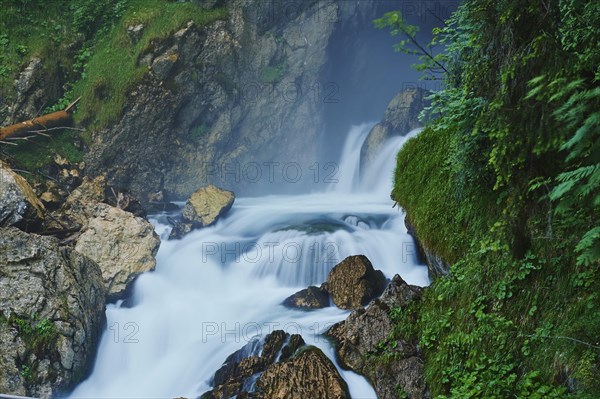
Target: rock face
[308,298]
[353,282]
[282,367]
[123,245]
[436,266]
[19,206]
[36,86]
[203,209]
[228,103]
[51,314]
[401,116]
[358,338]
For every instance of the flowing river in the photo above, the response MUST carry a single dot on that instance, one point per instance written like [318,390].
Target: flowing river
[218,288]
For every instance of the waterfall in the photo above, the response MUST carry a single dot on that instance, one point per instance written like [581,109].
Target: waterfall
[221,287]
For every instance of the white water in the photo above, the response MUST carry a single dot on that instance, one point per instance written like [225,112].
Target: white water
[219,287]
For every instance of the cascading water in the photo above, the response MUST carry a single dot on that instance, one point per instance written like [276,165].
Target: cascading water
[218,288]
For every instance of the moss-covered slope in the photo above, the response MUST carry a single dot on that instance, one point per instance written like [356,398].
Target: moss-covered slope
[504,184]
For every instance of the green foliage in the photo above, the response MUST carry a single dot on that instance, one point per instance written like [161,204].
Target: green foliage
[503,182]
[112,68]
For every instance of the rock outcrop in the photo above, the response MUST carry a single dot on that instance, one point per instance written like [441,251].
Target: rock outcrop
[359,339]
[51,314]
[123,245]
[308,298]
[282,366]
[19,206]
[309,374]
[202,209]
[354,283]
[401,116]
[436,265]
[231,104]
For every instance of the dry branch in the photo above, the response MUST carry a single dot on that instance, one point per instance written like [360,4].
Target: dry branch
[42,123]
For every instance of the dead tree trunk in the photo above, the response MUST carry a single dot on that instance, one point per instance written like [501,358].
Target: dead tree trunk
[39,124]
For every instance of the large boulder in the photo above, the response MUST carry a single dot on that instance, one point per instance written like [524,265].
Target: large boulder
[251,360]
[19,206]
[282,366]
[354,283]
[401,116]
[51,315]
[122,244]
[202,209]
[308,298]
[309,374]
[360,337]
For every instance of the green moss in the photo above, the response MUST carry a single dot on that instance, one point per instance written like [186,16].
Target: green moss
[499,326]
[273,73]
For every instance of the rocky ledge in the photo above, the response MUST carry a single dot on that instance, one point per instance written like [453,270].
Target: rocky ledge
[51,314]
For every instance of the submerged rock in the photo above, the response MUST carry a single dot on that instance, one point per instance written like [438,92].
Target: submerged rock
[51,314]
[354,283]
[122,244]
[359,337]
[308,298]
[19,206]
[203,209]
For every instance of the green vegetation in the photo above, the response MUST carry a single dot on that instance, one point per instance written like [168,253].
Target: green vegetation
[87,51]
[273,73]
[113,67]
[504,182]
[40,339]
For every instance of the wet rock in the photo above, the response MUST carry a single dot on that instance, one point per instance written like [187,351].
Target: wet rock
[354,283]
[308,298]
[19,206]
[241,368]
[436,265]
[51,314]
[206,205]
[401,116]
[122,244]
[203,209]
[359,337]
[309,374]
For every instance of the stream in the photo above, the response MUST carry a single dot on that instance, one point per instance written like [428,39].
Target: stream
[219,287]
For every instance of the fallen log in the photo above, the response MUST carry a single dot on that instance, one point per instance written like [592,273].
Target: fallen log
[39,124]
